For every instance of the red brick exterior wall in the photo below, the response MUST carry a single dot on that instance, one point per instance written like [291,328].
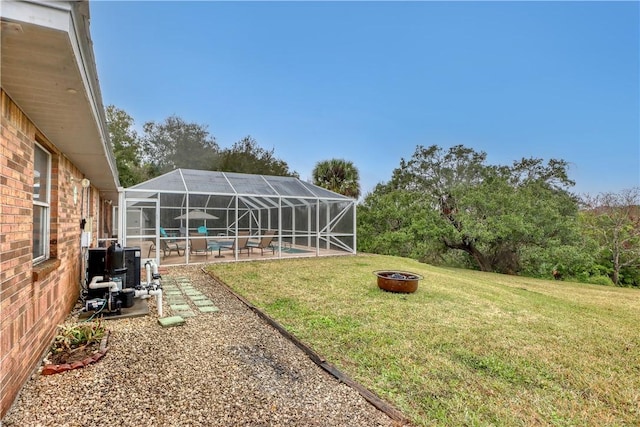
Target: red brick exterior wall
[34,299]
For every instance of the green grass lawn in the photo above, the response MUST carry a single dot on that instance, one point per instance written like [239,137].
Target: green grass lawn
[468,348]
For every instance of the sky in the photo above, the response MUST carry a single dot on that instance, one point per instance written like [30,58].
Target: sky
[370,81]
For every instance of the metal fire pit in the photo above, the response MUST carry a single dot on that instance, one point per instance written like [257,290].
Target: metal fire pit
[397,281]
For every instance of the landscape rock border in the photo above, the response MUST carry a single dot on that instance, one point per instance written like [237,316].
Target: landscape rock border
[391,411]
[50,369]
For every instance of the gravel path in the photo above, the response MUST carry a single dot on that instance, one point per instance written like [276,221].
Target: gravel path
[220,369]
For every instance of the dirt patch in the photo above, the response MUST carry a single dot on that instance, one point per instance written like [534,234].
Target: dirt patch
[75,355]
[79,357]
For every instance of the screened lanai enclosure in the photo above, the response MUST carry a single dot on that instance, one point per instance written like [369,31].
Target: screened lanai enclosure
[192,216]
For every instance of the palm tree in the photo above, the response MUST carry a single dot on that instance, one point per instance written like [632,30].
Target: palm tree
[339,176]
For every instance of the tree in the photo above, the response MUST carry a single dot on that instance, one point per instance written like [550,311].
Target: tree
[613,220]
[339,176]
[177,144]
[127,147]
[491,213]
[245,156]
[393,223]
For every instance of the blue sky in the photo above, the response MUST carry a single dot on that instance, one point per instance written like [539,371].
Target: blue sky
[369,81]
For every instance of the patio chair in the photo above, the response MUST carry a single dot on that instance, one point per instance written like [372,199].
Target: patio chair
[241,243]
[167,248]
[198,246]
[264,242]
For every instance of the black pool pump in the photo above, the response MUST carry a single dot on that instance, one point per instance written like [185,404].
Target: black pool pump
[105,293]
[116,269]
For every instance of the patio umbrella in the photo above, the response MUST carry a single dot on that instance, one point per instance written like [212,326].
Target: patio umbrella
[197,214]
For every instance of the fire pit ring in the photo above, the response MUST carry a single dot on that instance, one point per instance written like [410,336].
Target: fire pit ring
[397,281]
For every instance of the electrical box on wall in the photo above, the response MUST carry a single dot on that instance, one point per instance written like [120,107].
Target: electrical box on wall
[85,239]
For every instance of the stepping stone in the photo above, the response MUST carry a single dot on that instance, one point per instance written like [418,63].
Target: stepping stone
[167,322]
[198,297]
[179,307]
[203,303]
[209,309]
[192,292]
[185,314]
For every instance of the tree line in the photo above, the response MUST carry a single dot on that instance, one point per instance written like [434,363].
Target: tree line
[450,207]
[441,206]
[175,143]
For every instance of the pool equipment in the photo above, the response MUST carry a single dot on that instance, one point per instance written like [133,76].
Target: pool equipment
[113,280]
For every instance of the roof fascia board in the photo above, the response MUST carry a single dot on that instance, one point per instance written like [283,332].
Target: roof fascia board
[83,48]
[69,17]
[53,15]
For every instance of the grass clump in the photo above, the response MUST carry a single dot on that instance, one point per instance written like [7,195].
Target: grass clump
[467,348]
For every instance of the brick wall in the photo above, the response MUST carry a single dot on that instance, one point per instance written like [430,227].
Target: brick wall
[34,299]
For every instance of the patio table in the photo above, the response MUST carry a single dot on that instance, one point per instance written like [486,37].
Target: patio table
[219,244]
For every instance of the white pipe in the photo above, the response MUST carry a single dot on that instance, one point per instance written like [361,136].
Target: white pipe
[158,294]
[147,267]
[155,268]
[148,292]
[113,286]
[143,293]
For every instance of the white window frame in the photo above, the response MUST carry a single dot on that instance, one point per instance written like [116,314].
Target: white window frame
[43,250]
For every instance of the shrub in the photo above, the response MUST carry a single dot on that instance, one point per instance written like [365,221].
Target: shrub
[74,336]
[600,280]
